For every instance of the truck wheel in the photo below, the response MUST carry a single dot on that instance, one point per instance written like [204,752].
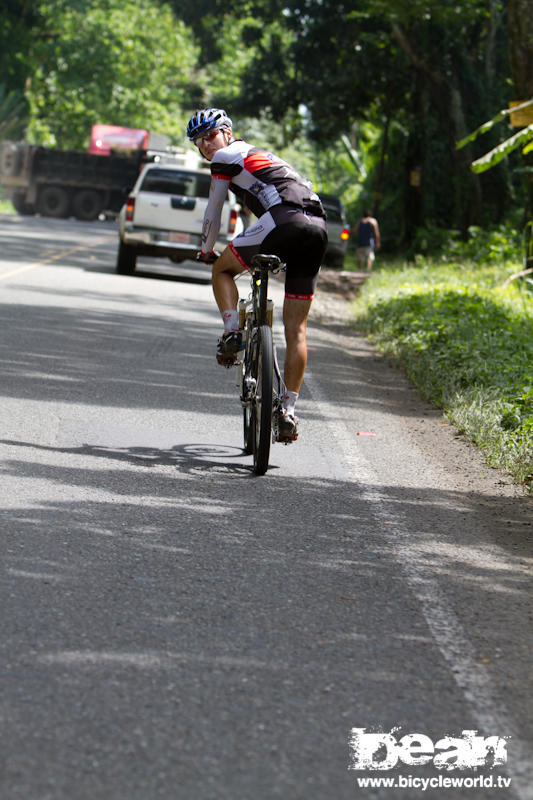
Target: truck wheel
[87,205]
[126,259]
[21,206]
[10,159]
[53,201]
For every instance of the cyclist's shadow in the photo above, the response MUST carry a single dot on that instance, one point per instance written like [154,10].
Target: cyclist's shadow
[188,458]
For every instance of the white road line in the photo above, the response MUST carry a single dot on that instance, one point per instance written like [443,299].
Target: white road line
[471,676]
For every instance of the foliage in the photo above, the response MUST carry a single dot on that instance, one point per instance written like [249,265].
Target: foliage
[523,138]
[400,81]
[467,343]
[500,245]
[18,21]
[419,72]
[122,62]
[12,113]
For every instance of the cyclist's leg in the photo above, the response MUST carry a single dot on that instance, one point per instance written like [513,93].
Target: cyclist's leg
[295,313]
[235,259]
[225,270]
[300,240]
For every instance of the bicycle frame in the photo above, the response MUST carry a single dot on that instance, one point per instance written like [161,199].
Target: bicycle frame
[256,311]
[260,421]
[263,313]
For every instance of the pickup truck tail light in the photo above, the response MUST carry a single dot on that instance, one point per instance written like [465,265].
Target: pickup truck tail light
[232,221]
[130,207]
[345,235]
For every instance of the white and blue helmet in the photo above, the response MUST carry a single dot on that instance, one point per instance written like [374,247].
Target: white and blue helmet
[207,120]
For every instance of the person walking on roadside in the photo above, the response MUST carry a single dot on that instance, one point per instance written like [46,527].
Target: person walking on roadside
[368,240]
[290,224]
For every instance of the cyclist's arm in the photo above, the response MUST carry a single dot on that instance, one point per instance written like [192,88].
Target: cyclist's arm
[213,214]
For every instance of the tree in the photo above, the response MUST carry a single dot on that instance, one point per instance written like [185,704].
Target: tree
[122,62]
[521,58]
[12,113]
[404,65]
[18,19]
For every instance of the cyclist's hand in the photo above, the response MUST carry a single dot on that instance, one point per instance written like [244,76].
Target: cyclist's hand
[207,258]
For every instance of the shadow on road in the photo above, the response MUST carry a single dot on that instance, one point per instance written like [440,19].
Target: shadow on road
[139,359]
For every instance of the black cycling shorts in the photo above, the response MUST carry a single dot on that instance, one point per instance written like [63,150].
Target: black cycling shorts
[294,235]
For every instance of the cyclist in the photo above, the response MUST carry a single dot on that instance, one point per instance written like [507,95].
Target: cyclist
[291,224]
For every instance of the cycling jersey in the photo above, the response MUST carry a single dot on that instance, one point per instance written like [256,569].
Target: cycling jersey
[260,180]
[291,220]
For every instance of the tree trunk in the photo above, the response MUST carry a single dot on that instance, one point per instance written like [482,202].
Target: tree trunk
[381,167]
[520,14]
[446,98]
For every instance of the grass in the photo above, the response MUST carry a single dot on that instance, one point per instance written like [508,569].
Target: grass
[466,341]
[6,207]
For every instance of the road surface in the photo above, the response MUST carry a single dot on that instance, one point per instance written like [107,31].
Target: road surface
[175,627]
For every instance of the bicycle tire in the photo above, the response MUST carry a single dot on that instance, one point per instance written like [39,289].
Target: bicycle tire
[262,406]
[247,370]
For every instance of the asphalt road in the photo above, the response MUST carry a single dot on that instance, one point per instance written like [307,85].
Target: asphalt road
[175,627]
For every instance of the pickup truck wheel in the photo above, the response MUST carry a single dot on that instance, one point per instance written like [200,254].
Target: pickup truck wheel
[53,201]
[126,259]
[87,205]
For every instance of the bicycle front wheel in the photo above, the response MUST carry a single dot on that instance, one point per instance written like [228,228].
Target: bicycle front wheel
[262,406]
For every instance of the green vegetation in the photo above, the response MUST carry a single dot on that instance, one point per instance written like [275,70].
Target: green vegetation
[368,99]
[464,334]
[123,62]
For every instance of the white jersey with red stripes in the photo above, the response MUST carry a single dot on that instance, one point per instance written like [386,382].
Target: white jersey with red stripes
[261,179]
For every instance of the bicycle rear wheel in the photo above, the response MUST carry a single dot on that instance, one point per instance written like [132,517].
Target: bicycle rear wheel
[262,406]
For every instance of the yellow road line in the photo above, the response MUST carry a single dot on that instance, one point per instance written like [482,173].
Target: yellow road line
[40,263]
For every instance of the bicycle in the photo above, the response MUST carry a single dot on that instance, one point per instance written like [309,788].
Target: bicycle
[259,376]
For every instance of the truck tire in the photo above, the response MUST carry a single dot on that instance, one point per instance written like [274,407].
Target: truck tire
[21,206]
[53,201]
[10,159]
[126,259]
[87,205]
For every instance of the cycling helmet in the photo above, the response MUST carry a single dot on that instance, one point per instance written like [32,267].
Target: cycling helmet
[207,119]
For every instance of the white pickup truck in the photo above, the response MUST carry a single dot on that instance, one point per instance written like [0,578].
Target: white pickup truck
[164,213]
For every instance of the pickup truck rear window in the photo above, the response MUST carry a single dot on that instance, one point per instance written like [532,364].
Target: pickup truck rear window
[170,181]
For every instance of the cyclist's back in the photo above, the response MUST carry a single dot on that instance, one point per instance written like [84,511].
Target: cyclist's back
[261,180]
